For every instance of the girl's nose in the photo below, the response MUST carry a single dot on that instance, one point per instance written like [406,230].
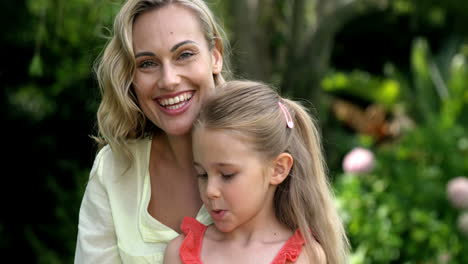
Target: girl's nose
[212,189]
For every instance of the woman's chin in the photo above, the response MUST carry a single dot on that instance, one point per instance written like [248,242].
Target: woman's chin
[179,130]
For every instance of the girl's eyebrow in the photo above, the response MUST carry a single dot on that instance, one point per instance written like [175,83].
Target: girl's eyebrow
[220,164]
[176,46]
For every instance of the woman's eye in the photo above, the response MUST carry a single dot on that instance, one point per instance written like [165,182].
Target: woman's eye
[186,55]
[146,64]
[202,175]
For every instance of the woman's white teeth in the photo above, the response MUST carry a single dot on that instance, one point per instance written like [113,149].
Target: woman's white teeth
[174,107]
[169,103]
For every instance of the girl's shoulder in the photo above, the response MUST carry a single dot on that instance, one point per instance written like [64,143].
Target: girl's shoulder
[193,232]
[171,255]
[318,250]
[187,246]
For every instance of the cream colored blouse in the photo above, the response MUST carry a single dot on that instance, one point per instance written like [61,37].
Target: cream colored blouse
[114,223]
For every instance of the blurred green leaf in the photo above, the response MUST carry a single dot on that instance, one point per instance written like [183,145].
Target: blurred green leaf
[363,85]
[35,68]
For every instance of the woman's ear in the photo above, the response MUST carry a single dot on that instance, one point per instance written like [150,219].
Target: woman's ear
[281,168]
[217,57]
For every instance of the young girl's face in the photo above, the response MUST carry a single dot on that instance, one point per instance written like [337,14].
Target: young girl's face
[232,178]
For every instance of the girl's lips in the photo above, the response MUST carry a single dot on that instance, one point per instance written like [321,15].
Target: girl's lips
[218,214]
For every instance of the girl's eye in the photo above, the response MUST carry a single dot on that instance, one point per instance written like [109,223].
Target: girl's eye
[228,176]
[202,175]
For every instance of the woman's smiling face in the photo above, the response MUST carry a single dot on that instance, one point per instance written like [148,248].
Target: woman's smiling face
[174,67]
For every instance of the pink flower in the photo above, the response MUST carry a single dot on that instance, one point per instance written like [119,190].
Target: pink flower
[457,192]
[358,160]
[444,258]
[463,223]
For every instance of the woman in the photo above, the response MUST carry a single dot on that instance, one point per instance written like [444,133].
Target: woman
[165,59]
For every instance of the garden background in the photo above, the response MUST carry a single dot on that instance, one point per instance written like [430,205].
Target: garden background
[389,76]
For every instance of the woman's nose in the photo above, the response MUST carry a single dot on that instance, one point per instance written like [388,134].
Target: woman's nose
[169,78]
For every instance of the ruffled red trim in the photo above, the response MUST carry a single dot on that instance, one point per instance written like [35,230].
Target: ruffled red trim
[291,249]
[190,249]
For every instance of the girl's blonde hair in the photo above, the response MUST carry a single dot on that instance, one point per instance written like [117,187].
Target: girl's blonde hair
[119,117]
[304,200]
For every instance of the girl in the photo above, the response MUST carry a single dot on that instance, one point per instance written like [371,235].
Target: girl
[261,176]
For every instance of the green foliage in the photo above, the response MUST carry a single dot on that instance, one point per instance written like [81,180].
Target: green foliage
[399,213]
[422,83]
[433,12]
[51,98]
[455,102]
[67,201]
[436,91]
[384,91]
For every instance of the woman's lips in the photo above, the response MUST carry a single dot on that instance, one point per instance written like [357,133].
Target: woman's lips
[175,108]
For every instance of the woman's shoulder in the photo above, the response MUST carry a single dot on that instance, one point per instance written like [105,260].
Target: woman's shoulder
[108,161]
[103,154]
[134,147]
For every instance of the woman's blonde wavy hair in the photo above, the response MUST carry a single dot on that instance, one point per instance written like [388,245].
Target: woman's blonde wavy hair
[304,200]
[119,118]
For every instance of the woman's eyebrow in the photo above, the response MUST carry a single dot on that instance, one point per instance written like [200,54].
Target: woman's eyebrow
[176,46]
[144,53]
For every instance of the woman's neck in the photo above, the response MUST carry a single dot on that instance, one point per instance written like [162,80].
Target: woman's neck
[174,191]
[174,149]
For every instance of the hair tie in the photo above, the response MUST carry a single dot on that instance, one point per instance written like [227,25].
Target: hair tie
[287,116]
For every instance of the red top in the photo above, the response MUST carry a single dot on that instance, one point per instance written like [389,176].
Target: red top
[194,231]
